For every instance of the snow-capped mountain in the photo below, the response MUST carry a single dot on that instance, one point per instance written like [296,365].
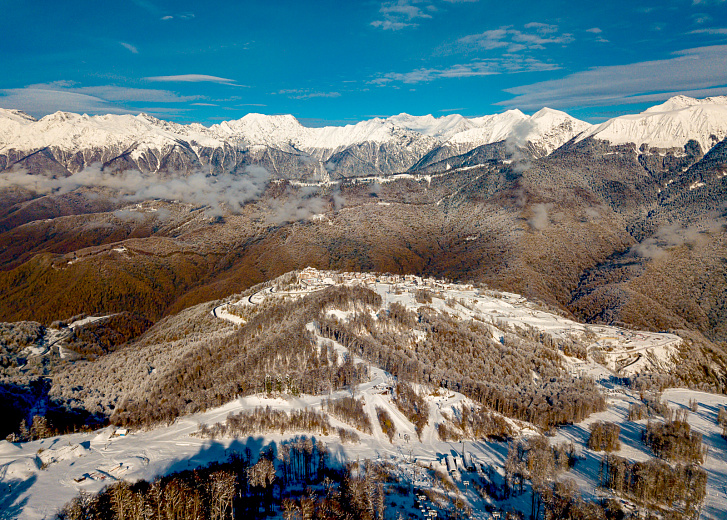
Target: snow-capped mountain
[439,127]
[541,134]
[63,142]
[668,125]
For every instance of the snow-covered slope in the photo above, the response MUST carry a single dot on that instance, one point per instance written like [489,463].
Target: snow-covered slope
[74,132]
[440,127]
[16,115]
[669,125]
[547,129]
[541,133]
[259,129]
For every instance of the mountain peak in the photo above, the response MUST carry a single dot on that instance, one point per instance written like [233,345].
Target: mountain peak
[16,115]
[669,125]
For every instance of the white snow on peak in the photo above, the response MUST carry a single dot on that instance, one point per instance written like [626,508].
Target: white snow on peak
[285,130]
[440,127]
[373,130]
[75,132]
[261,129]
[669,125]
[490,129]
[16,115]
[679,102]
[548,129]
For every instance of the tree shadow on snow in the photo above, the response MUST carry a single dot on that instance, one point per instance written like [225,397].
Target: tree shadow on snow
[10,492]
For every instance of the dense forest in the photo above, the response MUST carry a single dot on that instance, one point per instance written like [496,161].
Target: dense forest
[463,356]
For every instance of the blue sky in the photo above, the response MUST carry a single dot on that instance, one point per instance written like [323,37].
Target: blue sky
[333,62]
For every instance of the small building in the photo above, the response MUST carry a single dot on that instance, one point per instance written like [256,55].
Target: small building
[121,432]
[451,467]
[468,461]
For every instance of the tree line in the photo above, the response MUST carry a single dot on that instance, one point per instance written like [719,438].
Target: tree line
[243,489]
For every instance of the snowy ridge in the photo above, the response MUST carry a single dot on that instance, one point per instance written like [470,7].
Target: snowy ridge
[73,132]
[669,125]
[373,146]
[547,129]
[440,127]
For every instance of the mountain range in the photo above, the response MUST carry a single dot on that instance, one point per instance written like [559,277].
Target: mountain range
[64,143]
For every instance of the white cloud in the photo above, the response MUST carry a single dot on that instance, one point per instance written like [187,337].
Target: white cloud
[594,30]
[114,93]
[537,36]
[713,30]
[217,192]
[193,78]
[506,65]
[698,72]
[130,47]
[402,13]
[40,102]
[182,16]
[399,14]
[542,28]
[388,25]
[307,94]
[41,99]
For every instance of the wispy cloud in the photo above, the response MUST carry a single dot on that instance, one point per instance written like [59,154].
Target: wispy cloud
[115,93]
[147,6]
[535,36]
[698,72]
[402,13]
[46,98]
[181,16]
[129,47]
[307,94]
[508,64]
[713,30]
[700,18]
[40,102]
[194,78]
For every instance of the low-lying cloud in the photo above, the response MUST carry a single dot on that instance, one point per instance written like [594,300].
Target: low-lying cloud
[539,219]
[516,144]
[674,235]
[219,193]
